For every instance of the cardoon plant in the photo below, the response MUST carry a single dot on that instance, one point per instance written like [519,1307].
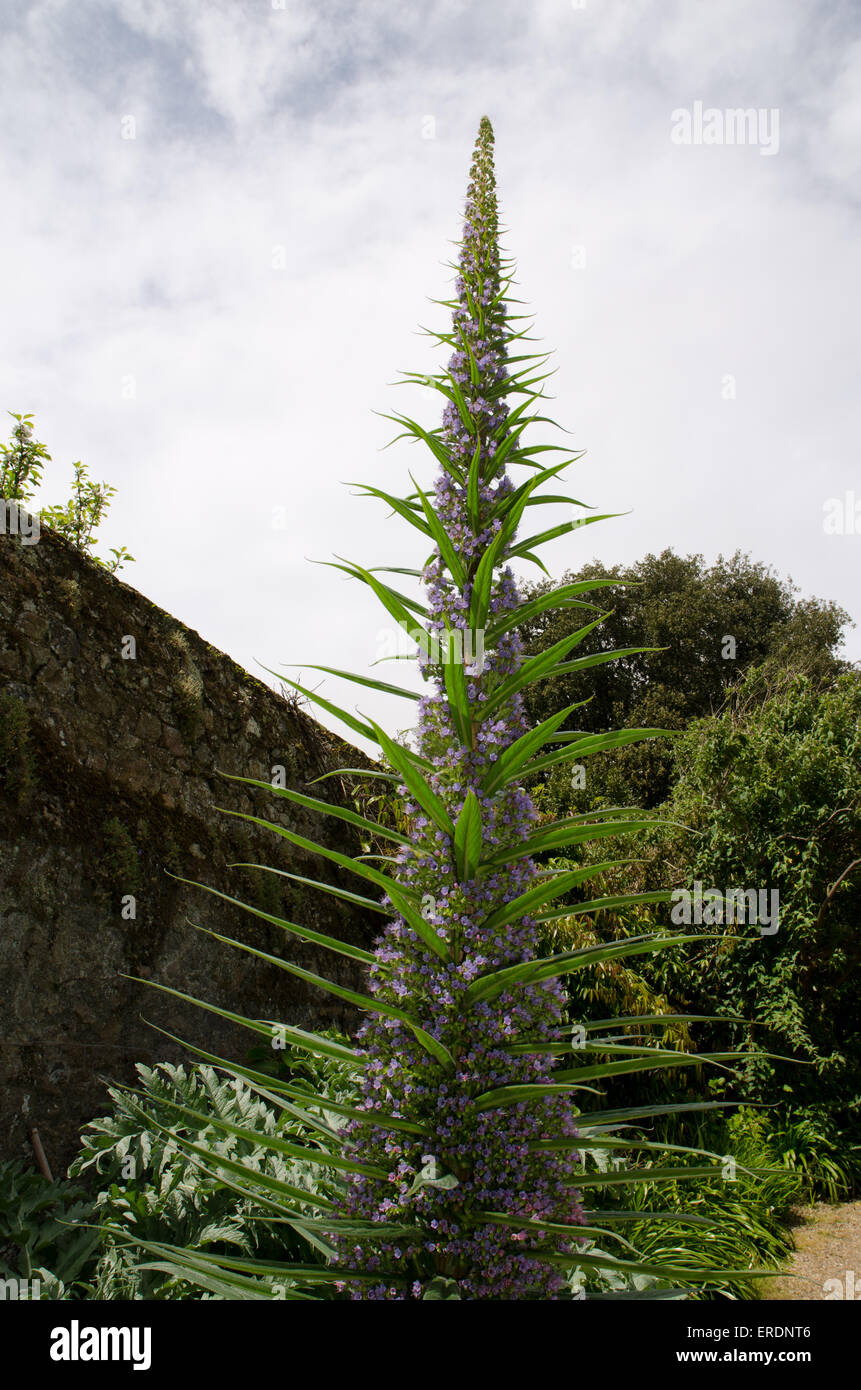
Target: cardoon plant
[459,1166]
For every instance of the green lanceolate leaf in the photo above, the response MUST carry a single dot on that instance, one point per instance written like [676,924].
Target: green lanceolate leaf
[538,666]
[507,766]
[442,538]
[343,948]
[370,773]
[690,1275]
[623,1021]
[629,1114]
[483,579]
[564,962]
[433,441]
[542,668]
[324,808]
[372,684]
[244,1276]
[660,1060]
[586,746]
[456,691]
[274,1190]
[357,725]
[357,899]
[415,783]
[473,485]
[366,1232]
[308,1042]
[614,1218]
[467,838]
[396,569]
[620,1177]
[536,560]
[566,596]
[403,508]
[609,904]
[362,1001]
[482,585]
[399,893]
[527,546]
[563,834]
[587,1144]
[273,1089]
[206,1273]
[240,1288]
[202,1119]
[527,1091]
[394,603]
[525,904]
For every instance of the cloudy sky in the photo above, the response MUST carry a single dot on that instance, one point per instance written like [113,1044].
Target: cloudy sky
[223,221]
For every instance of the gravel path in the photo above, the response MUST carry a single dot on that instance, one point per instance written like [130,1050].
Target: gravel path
[828,1247]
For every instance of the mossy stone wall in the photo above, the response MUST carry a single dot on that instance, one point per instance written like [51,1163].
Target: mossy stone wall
[115,723]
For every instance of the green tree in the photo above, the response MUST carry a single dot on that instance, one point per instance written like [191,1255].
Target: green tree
[710,624]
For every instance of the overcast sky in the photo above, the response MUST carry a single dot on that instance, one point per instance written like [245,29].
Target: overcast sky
[223,220]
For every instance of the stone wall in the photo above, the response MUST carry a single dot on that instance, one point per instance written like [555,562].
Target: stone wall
[115,723]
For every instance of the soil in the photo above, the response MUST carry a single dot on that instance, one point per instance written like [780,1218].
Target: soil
[827,1259]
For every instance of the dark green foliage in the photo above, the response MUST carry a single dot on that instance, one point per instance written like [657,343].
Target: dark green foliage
[770,1164]
[75,1245]
[767,795]
[42,1235]
[809,1145]
[16,759]
[121,859]
[690,609]
[264,891]
[772,795]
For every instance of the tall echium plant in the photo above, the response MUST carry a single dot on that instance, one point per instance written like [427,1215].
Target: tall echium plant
[468,860]
[457,1170]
